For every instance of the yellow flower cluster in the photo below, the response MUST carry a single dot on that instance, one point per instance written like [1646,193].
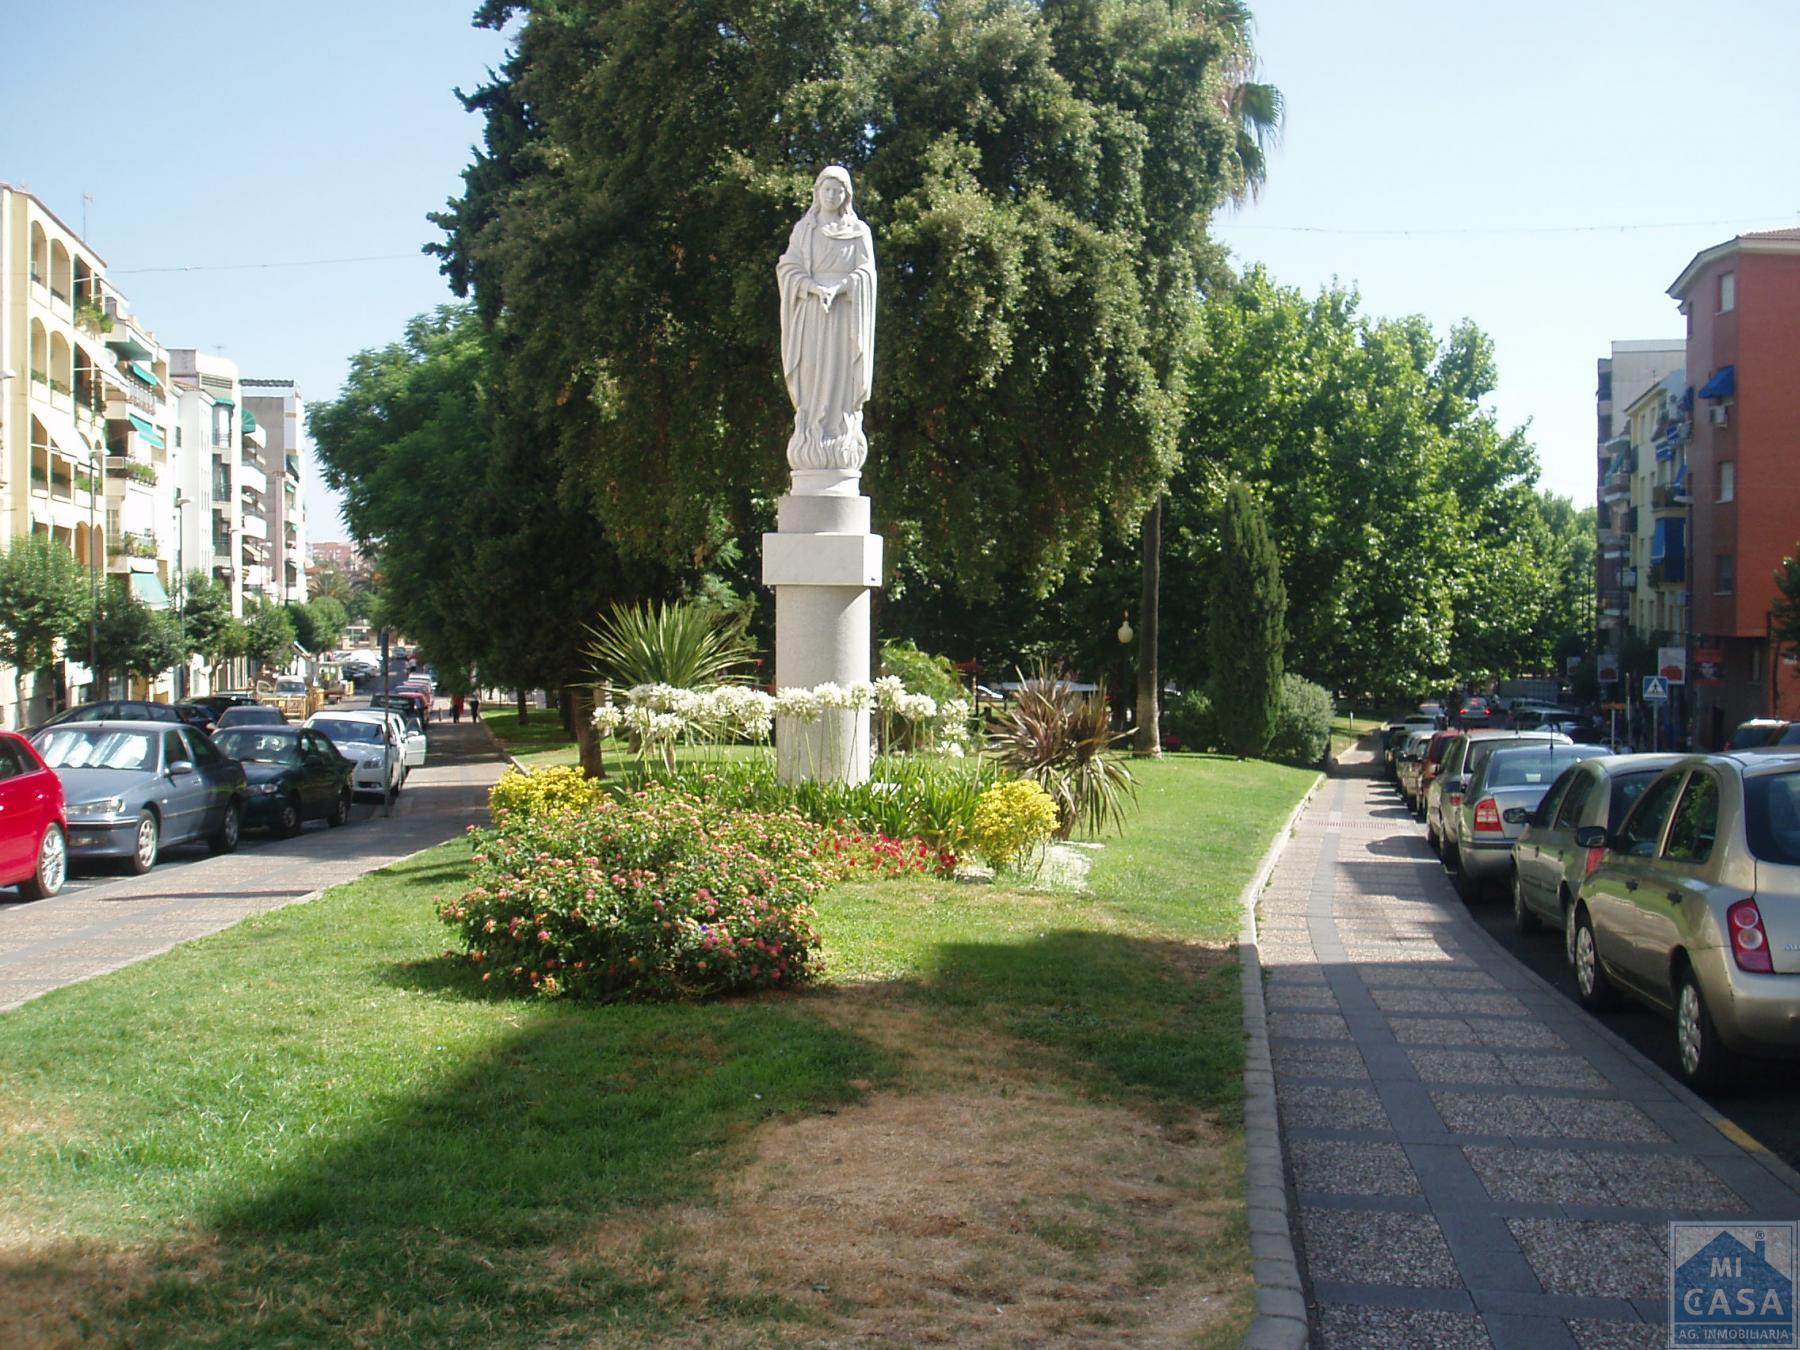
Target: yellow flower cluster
[1012,820]
[545,792]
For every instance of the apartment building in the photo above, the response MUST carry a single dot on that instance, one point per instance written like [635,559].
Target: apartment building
[1634,369]
[86,413]
[277,410]
[1741,300]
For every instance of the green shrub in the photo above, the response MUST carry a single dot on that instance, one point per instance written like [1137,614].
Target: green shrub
[1063,738]
[921,672]
[543,792]
[1013,820]
[908,796]
[1302,727]
[655,896]
[1191,721]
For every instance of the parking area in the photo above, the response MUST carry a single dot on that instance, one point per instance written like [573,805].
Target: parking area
[104,919]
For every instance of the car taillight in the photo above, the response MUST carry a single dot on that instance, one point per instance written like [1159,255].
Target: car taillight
[1487,816]
[1456,799]
[1749,944]
[1594,855]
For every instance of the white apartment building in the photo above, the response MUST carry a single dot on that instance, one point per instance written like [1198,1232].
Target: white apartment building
[276,410]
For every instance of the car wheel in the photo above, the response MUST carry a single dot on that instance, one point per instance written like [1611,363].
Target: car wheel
[1592,989]
[1705,1064]
[1468,887]
[287,818]
[1434,839]
[146,841]
[340,812]
[226,840]
[52,866]
[1525,919]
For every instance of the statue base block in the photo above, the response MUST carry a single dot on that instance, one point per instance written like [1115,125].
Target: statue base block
[822,563]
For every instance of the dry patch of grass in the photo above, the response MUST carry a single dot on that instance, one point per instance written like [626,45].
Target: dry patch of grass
[984,1209]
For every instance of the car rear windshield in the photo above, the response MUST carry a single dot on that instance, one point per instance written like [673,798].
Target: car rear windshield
[268,747]
[1772,817]
[1752,735]
[350,731]
[1536,767]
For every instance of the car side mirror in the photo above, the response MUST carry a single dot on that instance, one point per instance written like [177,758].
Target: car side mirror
[1517,815]
[1592,836]
[180,766]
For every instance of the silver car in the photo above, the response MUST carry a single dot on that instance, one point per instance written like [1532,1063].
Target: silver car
[134,788]
[1695,909]
[1456,818]
[1547,864]
[1491,812]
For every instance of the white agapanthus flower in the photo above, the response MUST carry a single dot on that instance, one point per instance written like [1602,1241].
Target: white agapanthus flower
[608,718]
[916,707]
[889,690]
[800,704]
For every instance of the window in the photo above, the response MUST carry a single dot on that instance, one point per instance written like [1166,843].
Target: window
[174,749]
[1643,829]
[1695,822]
[1725,574]
[12,763]
[1727,481]
[1727,292]
[1756,664]
[1580,787]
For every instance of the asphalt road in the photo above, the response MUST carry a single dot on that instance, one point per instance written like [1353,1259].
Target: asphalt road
[1764,1103]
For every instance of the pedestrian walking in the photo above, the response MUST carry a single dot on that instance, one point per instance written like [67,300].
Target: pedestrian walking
[474,707]
[456,702]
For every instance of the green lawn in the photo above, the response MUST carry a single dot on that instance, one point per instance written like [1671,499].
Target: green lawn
[537,742]
[313,1129]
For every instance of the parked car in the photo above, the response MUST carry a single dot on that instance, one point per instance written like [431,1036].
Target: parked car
[412,743]
[294,775]
[1695,910]
[1429,767]
[197,715]
[1407,762]
[1393,737]
[407,703]
[111,710]
[1547,863]
[1475,711]
[133,788]
[1508,783]
[218,703]
[1529,716]
[1454,785]
[251,715]
[371,744]
[34,832]
[1756,733]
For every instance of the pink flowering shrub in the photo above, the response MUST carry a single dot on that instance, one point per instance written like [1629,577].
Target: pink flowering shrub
[657,896]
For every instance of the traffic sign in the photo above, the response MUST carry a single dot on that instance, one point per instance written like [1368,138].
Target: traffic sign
[1656,689]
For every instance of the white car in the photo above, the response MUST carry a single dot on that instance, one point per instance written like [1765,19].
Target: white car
[412,743]
[371,743]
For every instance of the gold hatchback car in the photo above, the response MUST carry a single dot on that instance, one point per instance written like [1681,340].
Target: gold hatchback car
[1695,909]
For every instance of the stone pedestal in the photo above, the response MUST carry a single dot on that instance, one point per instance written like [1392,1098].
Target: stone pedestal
[822,562]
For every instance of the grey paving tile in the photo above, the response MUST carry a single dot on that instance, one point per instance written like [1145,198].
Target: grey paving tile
[1597,1260]
[1316,1059]
[1334,1167]
[1594,1334]
[1672,1183]
[1490,1113]
[1308,1026]
[1569,1071]
[1375,1248]
[1580,1118]
[1344,1108]
[1359,1328]
[1540,1176]
[1459,1066]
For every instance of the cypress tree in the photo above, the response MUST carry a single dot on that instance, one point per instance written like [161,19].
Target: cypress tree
[1248,625]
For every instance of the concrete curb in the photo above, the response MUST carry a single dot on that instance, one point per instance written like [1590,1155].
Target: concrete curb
[1281,1321]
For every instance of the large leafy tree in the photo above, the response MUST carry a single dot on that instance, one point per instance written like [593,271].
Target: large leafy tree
[268,635]
[43,594]
[1784,610]
[130,637]
[1039,176]
[210,630]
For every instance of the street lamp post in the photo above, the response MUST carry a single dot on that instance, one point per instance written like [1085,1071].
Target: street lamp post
[96,466]
[181,503]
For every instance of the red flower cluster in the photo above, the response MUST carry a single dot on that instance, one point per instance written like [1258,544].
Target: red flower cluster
[847,851]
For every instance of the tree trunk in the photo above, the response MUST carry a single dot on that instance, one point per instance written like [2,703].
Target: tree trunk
[524,708]
[1147,741]
[579,700]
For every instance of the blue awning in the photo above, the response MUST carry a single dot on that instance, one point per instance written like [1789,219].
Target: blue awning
[1680,477]
[148,588]
[1723,384]
[144,429]
[1668,546]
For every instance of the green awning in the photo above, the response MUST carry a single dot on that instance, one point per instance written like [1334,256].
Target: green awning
[144,373]
[148,588]
[249,420]
[220,399]
[144,429]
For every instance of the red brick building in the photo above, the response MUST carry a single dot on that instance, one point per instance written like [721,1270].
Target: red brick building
[1742,302]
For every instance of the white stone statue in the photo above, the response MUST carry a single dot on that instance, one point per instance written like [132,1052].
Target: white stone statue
[827,281]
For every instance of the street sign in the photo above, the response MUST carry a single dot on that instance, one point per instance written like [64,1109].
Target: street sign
[1656,689]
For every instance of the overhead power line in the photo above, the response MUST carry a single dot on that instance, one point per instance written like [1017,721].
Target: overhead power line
[1766,222]
[258,266]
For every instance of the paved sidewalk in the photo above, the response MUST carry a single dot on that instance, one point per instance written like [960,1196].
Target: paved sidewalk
[1474,1162]
[87,932]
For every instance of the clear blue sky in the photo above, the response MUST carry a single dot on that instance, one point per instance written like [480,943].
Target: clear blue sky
[1448,159]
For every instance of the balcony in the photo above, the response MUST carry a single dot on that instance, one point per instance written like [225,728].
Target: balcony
[1612,609]
[1628,578]
[255,527]
[1670,499]
[132,545]
[121,398]
[1668,572]
[251,477]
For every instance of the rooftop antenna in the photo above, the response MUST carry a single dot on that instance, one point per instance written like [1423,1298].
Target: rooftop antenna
[87,200]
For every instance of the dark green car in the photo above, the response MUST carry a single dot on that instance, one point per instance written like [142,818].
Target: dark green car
[295,775]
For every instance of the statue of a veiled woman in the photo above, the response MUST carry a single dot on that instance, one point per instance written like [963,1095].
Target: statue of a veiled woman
[827,281]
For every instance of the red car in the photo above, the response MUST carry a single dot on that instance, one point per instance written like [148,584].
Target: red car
[34,834]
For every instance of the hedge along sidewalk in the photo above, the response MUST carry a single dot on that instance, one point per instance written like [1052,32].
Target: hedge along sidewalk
[1281,1321]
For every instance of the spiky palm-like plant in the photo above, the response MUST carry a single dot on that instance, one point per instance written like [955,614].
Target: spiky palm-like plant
[1063,739]
[685,645]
